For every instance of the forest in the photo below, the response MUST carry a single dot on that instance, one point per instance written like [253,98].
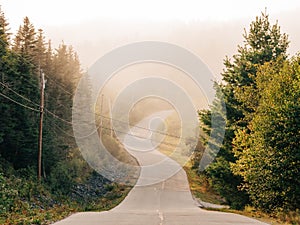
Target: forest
[67,183]
[259,160]
[257,165]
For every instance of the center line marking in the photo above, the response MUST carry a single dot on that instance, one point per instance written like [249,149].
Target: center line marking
[160,214]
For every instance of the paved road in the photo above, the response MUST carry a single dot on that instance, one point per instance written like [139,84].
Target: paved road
[161,196]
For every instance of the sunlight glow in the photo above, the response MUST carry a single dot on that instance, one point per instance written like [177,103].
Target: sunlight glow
[57,12]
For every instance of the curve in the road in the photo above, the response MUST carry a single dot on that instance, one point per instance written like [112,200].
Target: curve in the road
[161,196]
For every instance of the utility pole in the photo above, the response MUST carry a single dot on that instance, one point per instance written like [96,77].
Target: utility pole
[110,115]
[101,116]
[40,143]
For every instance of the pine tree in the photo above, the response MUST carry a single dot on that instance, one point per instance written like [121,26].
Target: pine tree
[4,45]
[4,35]
[62,68]
[19,127]
[268,152]
[39,54]
[25,40]
[19,103]
[263,43]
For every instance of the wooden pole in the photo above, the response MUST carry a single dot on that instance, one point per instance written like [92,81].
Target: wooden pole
[40,143]
[110,115]
[101,116]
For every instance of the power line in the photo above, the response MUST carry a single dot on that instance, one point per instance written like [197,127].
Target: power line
[133,135]
[134,126]
[25,106]
[59,85]
[55,81]
[123,132]
[62,130]
[106,128]
[94,131]
[111,129]
[70,123]
[57,117]
[140,127]
[6,86]
[28,107]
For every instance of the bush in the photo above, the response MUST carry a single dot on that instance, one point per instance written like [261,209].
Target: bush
[68,173]
[8,195]
[226,184]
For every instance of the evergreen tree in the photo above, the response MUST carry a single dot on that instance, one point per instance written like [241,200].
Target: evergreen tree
[263,43]
[26,83]
[4,48]
[62,67]
[20,65]
[25,40]
[4,35]
[268,152]
[39,54]
[18,124]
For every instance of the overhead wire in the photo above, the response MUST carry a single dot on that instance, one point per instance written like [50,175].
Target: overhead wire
[63,88]
[25,106]
[21,96]
[58,117]
[70,123]
[28,107]
[123,132]
[62,130]
[140,127]
[144,128]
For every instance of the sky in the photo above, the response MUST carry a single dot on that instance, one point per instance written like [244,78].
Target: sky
[58,12]
[211,29]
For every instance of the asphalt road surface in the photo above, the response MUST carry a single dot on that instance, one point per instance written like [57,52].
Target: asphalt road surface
[160,197]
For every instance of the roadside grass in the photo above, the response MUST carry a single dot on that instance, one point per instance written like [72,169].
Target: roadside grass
[291,218]
[39,216]
[25,201]
[44,215]
[200,189]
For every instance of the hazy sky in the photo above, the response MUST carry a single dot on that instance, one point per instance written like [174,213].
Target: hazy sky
[211,29]
[58,12]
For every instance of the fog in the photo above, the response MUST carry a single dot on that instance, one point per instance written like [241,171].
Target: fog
[210,41]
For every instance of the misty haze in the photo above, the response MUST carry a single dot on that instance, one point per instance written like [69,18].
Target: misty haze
[149,112]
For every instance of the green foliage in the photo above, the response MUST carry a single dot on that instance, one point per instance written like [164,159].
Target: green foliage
[200,187]
[25,40]
[225,184]
[268,153]
[19,72]
[263,43]
[67,173]
[7,196]
[4,35]
[24,200]
[116,150]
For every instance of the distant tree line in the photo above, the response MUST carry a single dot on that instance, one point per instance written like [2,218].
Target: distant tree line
[259,159]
